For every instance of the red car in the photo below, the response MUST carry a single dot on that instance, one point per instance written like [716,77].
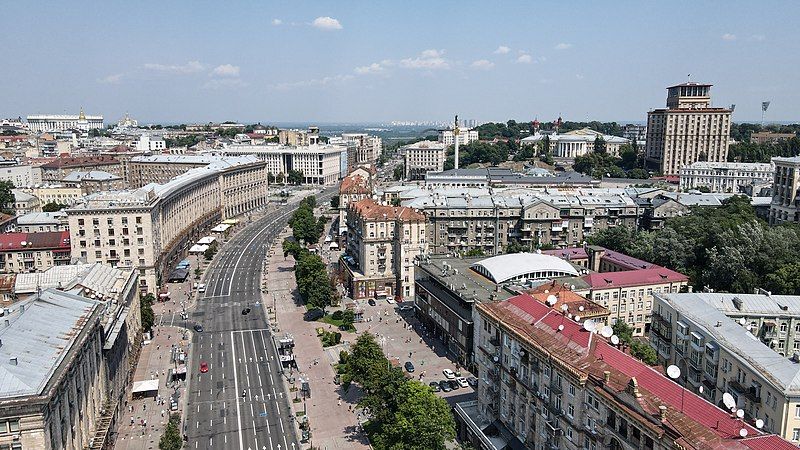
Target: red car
[203,367]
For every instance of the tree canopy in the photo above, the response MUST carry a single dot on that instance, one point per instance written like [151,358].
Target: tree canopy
[7,198]
[295,177]
[53,207]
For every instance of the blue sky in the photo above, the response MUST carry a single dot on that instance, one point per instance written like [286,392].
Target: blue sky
[378,61]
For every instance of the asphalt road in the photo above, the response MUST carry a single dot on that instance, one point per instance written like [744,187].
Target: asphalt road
[239,350]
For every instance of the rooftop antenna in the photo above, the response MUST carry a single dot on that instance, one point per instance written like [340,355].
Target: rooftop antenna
[457,131]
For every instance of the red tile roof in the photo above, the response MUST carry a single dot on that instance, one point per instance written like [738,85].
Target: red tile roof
[570,253]
[653,275]
[55,240]
[354,184]
[368,209]
[576,304]
[697,422]
[80,161]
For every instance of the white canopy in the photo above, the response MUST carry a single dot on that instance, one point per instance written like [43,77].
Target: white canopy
[197,248]
[221,228]
[207,240]
[145,386]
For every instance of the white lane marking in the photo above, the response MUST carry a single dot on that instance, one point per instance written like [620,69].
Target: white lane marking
[236,387]
[236,266]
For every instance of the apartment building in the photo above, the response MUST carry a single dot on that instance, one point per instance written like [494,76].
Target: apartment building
[548,382]
[25,202]
[39,222]
[465,136]
[149,228]
[53,388]
[150,144]
[21,176]
[159,169]
[93,181]
[367,148]
[299,138]
[725,176]
[62,194]
[34,251]
[422,157]
[382,244]
[718,354]
[461,220]
[357,185]
[60,167]
[319,164]
[785,205]
[688,130]
[766,137]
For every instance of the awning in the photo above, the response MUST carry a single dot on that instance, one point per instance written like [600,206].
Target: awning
[206,240]
[197,248]
[180,370]
[221,228]
[164,295]
[145,386]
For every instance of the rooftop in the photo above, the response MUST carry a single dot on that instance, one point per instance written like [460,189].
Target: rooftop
[91,175]
[39,218]
[80,161]
[39,337]
[58,240]
[370,210]
[708,165]
[502,268]
[752,304]
[653,275]
[425,145]
[95,280]
[576,304]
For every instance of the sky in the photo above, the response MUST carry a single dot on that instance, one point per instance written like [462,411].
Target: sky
[380,61]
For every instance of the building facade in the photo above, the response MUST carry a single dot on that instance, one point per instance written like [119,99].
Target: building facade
[319,164]
[725,176]
[785,205]
[150,144]
[60,167]
[465,136]
[382,244]
[367,148]
[422,157]
[687,130]
[34,252]
[576,143]
[21,176]
[62,122]
[357,185]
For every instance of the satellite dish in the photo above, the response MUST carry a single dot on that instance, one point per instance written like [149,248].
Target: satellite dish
[561,328]
[743,432]
[740,413]
[615,339]
[700,389]
[569,315]
[742,321]
[748,328]
[589,325]
[581,308]
[606,331]
[551,300]
[673,372]
[577,318]
[564,307]
[728,401]
[759,423]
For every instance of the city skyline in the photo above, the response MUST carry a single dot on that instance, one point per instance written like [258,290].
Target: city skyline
[364,62]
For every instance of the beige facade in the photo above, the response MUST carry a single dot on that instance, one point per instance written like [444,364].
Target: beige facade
[465,136]
[367,148]
[150,228]
[785,205]
[61,194]
[382,244]
[688,130]
[724,176]
[21,176]
[357,185]
[320,164]
[159,169]
[422,157]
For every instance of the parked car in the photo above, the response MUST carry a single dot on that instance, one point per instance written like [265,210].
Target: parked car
[454,384]
[449,374]
[462,382]
[434,386]
[201,287]
[445,386]
[406,307]
[409,367]
[198,328]
[203,367]
[472,381]
[246,311]
[371,302]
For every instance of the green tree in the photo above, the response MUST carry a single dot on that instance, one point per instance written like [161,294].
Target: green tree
[335,202]
[146,311]
[785,280]
[516,247]
[53,207]
[295,177]
[211,251]
[638,173]
[398,172]
[422,420]
[7,197]
[599,145]
[474,252]
[171,438]
[348,317]
[623,330]
[644,352]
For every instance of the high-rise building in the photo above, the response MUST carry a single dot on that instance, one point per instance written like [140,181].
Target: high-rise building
[785,200]
[422,157]
[687,130]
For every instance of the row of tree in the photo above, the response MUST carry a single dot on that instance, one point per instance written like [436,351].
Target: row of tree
[404,413]
[726,248]
[752,152]
[478,152]
[599,164]
[294,177]
[515,130]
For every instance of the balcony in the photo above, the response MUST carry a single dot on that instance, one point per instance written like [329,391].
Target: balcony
[750,393]
[555,388]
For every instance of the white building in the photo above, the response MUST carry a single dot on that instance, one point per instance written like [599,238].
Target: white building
[785,205]
[422,157]
[21,176]
[576,143]
[367,148]
[61,122]
[465,136]
[725,176]
[320,164]
[150,144]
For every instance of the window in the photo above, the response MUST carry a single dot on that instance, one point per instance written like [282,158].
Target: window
[796,434]
[571,410]
[9,426]
[571,390]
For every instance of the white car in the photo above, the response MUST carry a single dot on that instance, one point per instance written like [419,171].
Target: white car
[449,374]
[201,287]
[462,382]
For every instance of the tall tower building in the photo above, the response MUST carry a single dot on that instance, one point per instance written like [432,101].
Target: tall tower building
[687,130]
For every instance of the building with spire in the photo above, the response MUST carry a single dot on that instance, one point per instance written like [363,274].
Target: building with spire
[62,122]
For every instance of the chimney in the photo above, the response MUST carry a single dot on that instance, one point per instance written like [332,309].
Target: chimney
[606,377]
[633,387]
[662,412]
[13,360]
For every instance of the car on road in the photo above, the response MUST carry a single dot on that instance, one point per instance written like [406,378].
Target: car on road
[445,386]
[391,300]
[409,367]
[462,382]
[406,307]
[454,384]
[201,287]
[434,386]
[371,302]
[198,328]
[246,311]
[203,367]
[449,374]
[472,381]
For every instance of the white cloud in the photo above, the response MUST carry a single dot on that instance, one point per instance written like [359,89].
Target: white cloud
[428,59]
[223,83]
[482,64]
[326,81]
[757,37]
[562,46]
[189,67]
[225,70]
[371,69]
[502,50]
[111,79]
[524,59]
[277,22]
[728,37]
[326,23]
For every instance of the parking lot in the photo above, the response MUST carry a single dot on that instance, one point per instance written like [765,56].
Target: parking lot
[402,338]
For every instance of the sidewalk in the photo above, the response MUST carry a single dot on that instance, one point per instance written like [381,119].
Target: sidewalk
[332,417]
[154,363]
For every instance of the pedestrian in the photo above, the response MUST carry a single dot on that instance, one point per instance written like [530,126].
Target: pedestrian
[144,407]
[162,413]
[340,402]
[420,340]
[131,420]
[409,354]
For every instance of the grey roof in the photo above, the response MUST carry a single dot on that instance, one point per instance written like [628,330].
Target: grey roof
[699,308]
[99,279]
[753,304]
[502,268]
[22,196]
[41,218]
[41,333]
[92,175]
